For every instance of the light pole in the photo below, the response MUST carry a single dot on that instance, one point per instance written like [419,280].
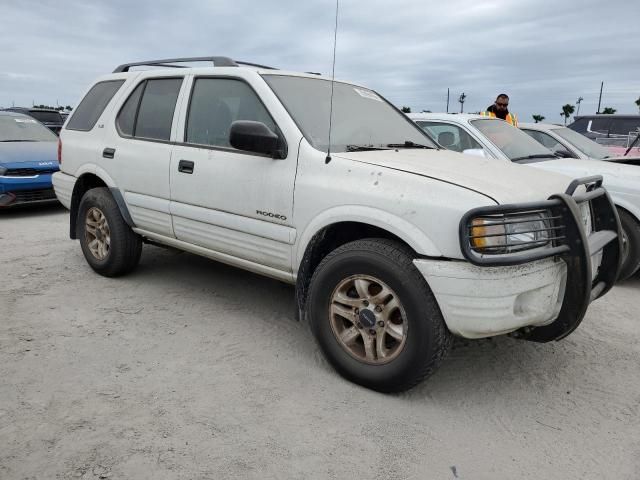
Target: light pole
[461,100]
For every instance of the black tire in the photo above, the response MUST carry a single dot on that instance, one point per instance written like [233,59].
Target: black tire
[427,339]
[125,246]
[631,250]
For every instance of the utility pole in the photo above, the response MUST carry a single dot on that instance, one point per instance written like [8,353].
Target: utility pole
[447,100]
[578,102]
[600,99]
[461,100]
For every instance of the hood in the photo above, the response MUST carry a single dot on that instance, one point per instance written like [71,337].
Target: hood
[21,152]
[500,180]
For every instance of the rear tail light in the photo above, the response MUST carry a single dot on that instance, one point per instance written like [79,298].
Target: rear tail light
[59,151]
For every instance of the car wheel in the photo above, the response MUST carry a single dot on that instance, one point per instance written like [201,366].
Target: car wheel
[109,245]
[374,316]
[630,245]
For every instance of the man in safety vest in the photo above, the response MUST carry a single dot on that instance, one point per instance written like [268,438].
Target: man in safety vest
[499,110]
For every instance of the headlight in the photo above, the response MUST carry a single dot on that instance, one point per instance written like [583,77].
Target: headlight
[499,234]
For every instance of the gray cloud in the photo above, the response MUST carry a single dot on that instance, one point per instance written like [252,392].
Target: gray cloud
[543,53]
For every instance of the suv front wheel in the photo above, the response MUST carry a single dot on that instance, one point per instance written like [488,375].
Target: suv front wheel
[374,316]
[109,245]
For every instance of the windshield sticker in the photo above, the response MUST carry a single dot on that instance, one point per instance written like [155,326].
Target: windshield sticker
[367,94]
[24,120]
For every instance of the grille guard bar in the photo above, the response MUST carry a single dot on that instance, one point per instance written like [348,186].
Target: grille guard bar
[576,251]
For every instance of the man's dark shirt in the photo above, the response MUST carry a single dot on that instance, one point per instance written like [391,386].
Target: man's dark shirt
[500,114]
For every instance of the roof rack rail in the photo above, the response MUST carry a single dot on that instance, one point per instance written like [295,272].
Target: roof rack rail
[167,62]
[266,67]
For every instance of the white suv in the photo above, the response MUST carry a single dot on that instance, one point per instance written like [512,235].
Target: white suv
[394,244]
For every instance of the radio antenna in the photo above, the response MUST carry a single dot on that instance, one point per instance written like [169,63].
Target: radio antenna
[333,76]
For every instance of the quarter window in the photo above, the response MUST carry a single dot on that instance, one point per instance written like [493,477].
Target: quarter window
[92,105]
[148,112]
[215,104]
[545,139]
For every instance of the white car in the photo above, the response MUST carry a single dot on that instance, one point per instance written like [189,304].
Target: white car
[567,143]
[495,139]
[394,244]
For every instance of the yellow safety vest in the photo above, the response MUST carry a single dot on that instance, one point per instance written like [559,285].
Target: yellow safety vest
[511,117]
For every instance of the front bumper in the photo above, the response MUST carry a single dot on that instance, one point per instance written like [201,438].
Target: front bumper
[541,294]
[481,302]
[22,190]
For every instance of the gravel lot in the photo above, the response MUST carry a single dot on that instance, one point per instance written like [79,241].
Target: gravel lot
[189,369]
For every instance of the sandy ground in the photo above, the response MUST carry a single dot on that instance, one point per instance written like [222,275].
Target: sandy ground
[188,369]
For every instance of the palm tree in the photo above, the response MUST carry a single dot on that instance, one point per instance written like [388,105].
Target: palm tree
[538,117]
[637,102]
[567,110]
[609,111]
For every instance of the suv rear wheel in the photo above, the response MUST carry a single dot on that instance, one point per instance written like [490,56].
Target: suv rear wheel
[109,245]
[375,317]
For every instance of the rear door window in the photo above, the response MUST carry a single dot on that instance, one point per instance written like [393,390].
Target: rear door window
[92,105]
[148,112]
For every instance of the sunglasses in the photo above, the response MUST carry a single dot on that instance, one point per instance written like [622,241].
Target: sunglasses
[500,104]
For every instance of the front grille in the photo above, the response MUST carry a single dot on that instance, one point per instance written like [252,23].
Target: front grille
[28,172]
[24,196]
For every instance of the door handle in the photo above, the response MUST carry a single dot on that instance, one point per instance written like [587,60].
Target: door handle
[185,166]
[108,152]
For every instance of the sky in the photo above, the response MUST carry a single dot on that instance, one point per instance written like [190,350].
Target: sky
[543,53]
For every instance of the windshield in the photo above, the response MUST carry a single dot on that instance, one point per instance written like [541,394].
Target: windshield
[23,129]
[512,141]
[582,143]
[360,117]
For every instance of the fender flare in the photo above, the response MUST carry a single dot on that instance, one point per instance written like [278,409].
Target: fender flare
[406,231]
[629,207]
[115,193]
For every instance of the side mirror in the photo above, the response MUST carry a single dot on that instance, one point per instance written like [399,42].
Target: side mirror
[562,153]
[478,152]
[256,137]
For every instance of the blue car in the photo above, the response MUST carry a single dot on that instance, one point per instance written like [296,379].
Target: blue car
[28,157]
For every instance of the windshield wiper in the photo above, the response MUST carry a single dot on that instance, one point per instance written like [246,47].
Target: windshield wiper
[363,148]
[409,144]
[17,140]
[532,157]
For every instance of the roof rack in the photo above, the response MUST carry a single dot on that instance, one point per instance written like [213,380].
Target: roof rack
[167,62]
